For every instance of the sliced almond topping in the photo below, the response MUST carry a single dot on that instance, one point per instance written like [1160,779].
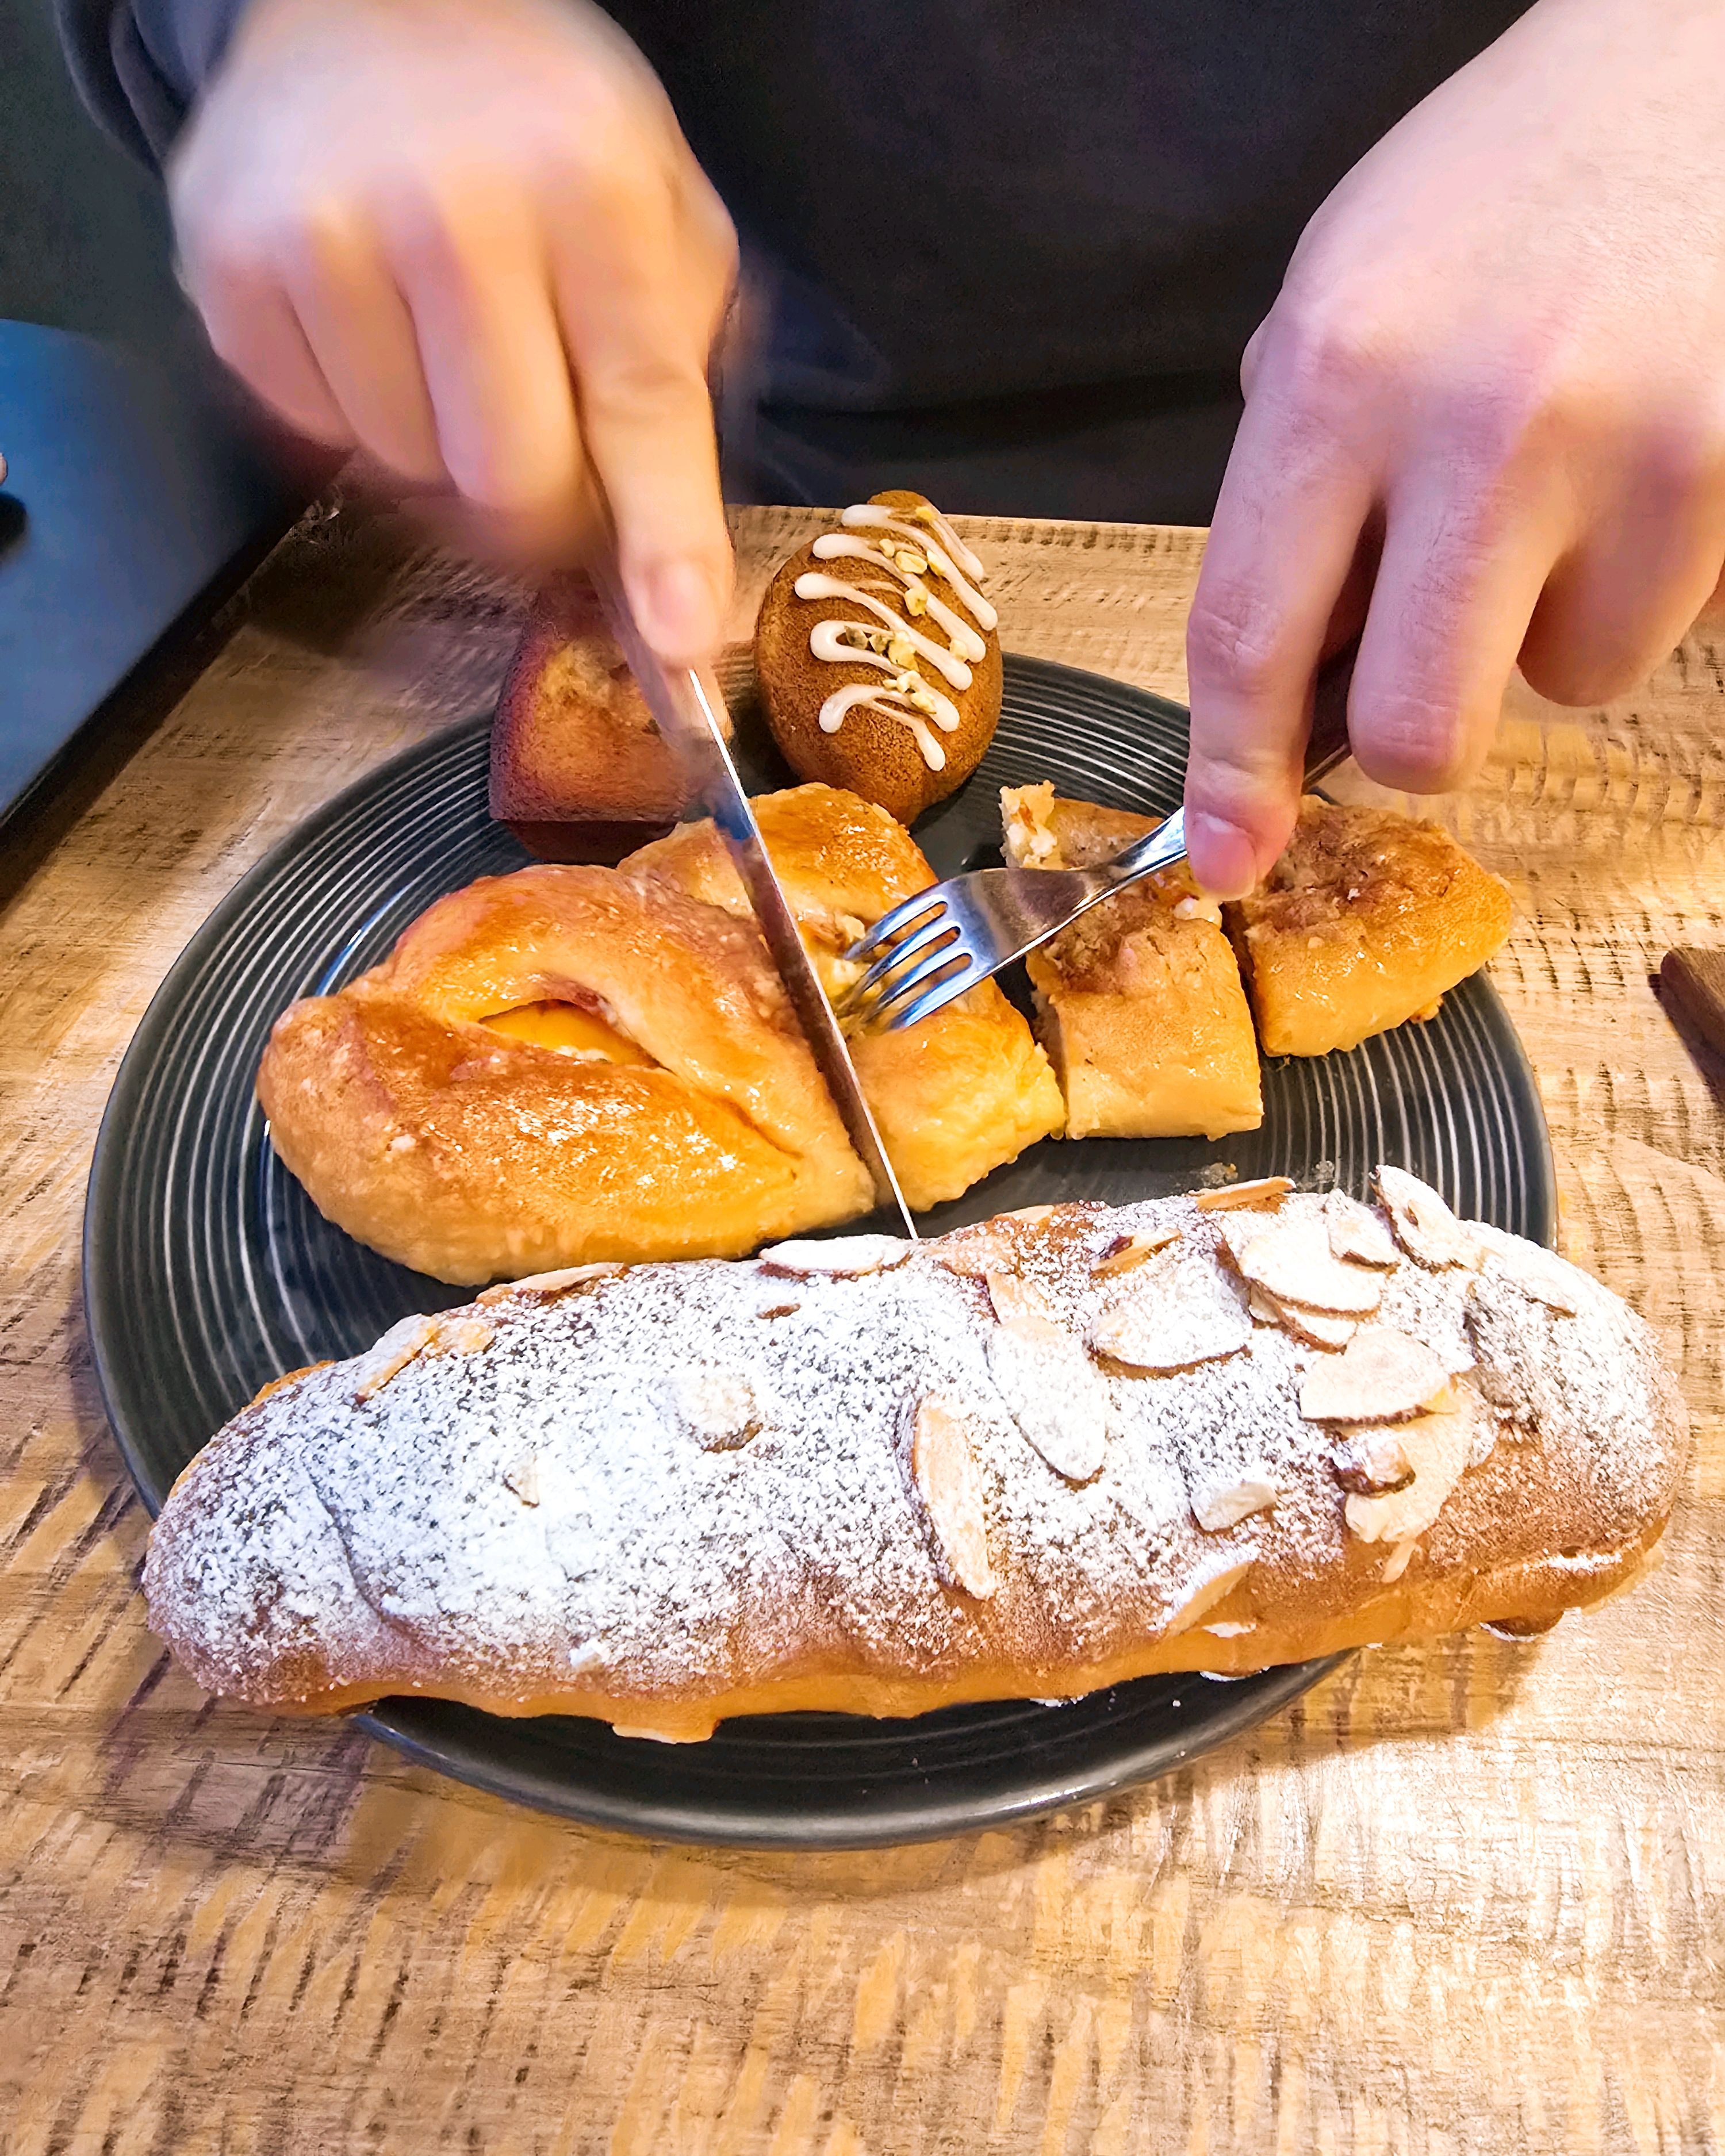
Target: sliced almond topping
[523,1478]
[1370,1462]
[1291,1258]
[974,1253]
[1380,1376]
[1541,1274]
[1396,1563]
[1315,1328]
[1424,1226]
[1126,1251]
[460,1336]
[1032,1216]
[1229,1629]
[546,1285]
[946,1477]
[1210,1585]
[718,1406]
[1016,1300]
[1357,1233]
[392,1354]
[1054,1391]
[845,1257]
[1176,1312]
[1238,1197]
[1226,1504]
[1437,1447]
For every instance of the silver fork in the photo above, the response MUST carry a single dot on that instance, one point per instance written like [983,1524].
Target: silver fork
[931,949]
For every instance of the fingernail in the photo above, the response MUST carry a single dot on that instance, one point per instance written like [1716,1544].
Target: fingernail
[680,620]
[1223,858]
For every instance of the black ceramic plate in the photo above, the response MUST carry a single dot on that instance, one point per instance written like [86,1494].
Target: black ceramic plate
[208,1271]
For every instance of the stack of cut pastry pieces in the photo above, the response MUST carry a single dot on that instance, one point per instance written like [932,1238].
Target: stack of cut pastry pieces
[1146,1003]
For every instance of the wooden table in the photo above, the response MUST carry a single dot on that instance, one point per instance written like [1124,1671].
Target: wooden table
[1465,1899]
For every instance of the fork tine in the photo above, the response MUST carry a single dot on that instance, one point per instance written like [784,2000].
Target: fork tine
[929,1002]
[938,934]
[890,1009]
[907,914]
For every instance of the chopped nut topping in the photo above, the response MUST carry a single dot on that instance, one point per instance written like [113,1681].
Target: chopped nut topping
[718,1407]
[393,1353]
[1056,1396]
[544,1285]
[1381,1376]
[1315,1328]
[1206,1591]
[523,1478]
[1437,1446]
[1172,1317]
[1372,1460]
[1541,1274]
[845,1257]
[1226,1505]
[945,1470]
[1015,1300]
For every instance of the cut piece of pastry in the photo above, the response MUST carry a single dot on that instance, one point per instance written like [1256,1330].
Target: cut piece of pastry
[1139,1002]
[554,1067]
[664,1494]
[955,1096]
[878,656]
[579,771]
[1367,919]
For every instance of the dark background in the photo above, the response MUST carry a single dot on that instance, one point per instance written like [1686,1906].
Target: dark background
[83,230]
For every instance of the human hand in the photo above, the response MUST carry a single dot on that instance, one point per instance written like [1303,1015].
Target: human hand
[473,241]
[1484,421]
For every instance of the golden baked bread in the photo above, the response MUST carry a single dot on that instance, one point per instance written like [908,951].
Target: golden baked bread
[878,657]
[954,1096]
[1035,1457]
[579,771]
[1365,922]
[556,1066]
[1139,1002]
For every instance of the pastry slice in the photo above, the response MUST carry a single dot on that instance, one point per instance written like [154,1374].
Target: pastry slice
[1139,1002]
[954,1096]
[1366,921]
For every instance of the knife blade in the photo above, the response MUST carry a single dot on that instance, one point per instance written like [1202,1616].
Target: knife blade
[683,712]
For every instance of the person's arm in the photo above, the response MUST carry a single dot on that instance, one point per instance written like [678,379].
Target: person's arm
[1485,420]
[469,238]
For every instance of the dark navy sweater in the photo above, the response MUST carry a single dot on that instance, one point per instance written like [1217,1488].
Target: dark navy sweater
[1014,248]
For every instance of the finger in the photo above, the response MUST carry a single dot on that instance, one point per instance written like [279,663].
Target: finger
[475,277]
[639,306]
[253,328]
[1464,561]
[358,327]
[1288,528]
[1616,608]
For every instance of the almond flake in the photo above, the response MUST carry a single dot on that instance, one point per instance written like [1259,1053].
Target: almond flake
[547,1284]
[1210,1585]
[1017,1301]
[1357,1233]
[1437,1446]
[845,1257]
[1380,1376]
[1424,1226]
[523,1478]
[1126,1251]
[1396,1563]
[1054,1391]
[460,1336]
[1315,1328]
[973,1253]
[1541,1274]
[1032,1216]
[1291,1258]
[1235,1196]
[1225,1504]
[1229,1629]
[1370,1459]
[1176,1312]
[392,1354]
[951,1487]
[718,1406]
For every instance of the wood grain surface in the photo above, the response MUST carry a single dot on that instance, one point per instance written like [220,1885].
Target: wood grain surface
[1466,1899]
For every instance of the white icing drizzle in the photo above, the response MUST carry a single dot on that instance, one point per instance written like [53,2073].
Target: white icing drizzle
[905,549]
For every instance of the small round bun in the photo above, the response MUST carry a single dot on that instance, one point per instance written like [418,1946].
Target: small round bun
[879,657]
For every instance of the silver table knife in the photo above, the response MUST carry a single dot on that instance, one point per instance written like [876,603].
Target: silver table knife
[683,714]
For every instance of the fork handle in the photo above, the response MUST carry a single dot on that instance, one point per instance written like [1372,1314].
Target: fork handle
[1326,745]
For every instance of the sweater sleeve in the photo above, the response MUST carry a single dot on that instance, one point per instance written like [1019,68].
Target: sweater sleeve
[139,64]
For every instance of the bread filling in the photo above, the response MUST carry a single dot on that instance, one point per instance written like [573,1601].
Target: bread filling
[571,1030]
